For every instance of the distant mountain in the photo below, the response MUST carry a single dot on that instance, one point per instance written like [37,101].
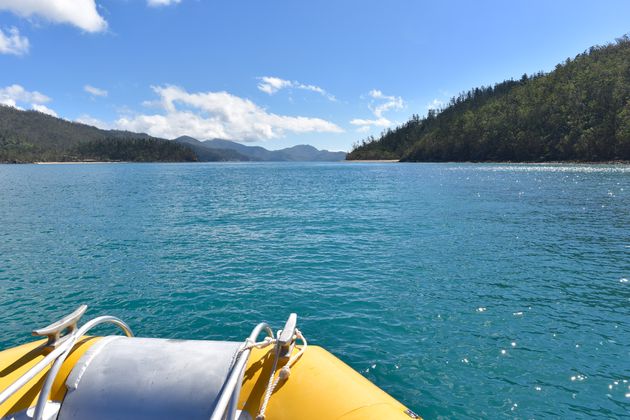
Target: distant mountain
[255,153]
[210,154]
[305,152]
[300,153]
[578,112]
[31,136]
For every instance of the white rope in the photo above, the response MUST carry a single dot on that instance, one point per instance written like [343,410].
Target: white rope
[284,373]
[249,344]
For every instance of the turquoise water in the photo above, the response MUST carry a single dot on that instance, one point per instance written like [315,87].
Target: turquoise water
[465,291]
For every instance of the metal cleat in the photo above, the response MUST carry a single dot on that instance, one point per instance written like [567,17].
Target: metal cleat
[67,324]
[286,336]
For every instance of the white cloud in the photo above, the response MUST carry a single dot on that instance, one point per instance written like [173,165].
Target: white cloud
[13,43]
[11,95]
[80,13]
[435,104]
[18,97]
[379,104]
[381,122]
[44,109]
[271,85]
[94,91]
[217,115]
[158,3]
[89,120]
[391,102]
[376,94]
[9,102]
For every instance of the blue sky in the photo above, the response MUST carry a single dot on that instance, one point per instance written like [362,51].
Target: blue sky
[278,73]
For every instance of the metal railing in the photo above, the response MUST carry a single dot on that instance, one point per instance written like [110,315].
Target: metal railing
[54,370]
[61,347]
[228,398]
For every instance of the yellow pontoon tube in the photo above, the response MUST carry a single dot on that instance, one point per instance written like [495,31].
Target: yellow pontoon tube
[71,375]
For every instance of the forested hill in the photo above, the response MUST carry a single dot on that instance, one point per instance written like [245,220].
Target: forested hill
[30,136]
[578,112]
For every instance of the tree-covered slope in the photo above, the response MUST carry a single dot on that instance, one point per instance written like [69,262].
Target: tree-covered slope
[578,112]
[30,136]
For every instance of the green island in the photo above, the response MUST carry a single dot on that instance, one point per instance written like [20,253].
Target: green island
[31,136]
[578,112]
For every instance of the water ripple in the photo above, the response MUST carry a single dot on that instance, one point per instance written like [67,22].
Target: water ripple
[466,291]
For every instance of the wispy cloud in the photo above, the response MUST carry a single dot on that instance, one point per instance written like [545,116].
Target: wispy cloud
[80,13]
[380,122]
[94,91]
[435,104]
[217,115]
[384,103]
[271,85]
[379,104]
[439,102]
[12,42]
[159,3]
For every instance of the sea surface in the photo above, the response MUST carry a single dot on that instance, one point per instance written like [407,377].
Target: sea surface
[464,290]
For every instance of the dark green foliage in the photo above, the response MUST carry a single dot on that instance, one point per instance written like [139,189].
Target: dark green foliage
[30,136]
[578,112]
[134,150]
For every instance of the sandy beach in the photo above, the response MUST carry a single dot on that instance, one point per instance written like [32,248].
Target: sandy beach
[74,163]
[372,161]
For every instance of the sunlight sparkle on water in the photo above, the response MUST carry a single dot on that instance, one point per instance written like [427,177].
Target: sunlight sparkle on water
[553,168]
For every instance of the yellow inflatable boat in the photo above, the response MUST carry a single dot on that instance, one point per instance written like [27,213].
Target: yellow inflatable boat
[73,375]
